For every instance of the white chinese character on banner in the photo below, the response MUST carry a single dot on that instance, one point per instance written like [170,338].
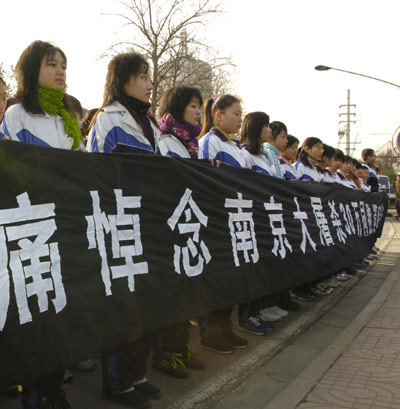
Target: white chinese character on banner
[348,218]
[125,239]
[194,246]
[358,221]
[281,243]
[381,211]
[34,263]
[241,227]
[299,215]
[364,218]
[369,218]
[375,216]
[324,232]
[341,235]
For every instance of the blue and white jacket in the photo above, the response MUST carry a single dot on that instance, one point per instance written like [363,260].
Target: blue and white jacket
[215,145]
[345,181]
[258,163]
[169,145]
[115,130]
[38,129]
[326,175]
[288,170]
[307,173]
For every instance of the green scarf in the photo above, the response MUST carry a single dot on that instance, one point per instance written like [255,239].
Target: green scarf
[51,101]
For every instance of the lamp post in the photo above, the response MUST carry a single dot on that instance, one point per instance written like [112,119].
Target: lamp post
[326,68]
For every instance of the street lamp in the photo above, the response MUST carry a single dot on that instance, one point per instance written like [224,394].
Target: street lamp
[326,68]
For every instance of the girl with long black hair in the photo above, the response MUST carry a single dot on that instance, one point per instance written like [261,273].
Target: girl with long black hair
[125,123]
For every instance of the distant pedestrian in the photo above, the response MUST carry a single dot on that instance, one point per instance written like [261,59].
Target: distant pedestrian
[397,195]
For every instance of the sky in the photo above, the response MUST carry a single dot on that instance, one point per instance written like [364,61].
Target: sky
[275,45]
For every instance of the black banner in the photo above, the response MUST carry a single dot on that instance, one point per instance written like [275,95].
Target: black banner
[97,249]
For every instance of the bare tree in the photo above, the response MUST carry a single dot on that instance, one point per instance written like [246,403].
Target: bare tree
[388,159]
[164,32]
[8,77]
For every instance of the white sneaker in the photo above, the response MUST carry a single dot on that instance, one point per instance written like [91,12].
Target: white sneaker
[280,311]
[268,314]
[342,276]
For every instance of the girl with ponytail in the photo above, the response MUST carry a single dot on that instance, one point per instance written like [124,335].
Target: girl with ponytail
[309,154]
[221,118]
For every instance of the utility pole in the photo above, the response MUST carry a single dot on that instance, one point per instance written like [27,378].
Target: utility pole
[348,121]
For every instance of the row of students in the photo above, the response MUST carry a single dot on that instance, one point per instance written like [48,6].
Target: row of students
[44,115]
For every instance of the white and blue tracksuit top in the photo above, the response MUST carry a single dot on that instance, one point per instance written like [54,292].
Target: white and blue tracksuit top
[258,163]
[307,173]
[288,170]
[169,145]
[345,181]
[214,145]
[115,129]
[38,129]
[327,176]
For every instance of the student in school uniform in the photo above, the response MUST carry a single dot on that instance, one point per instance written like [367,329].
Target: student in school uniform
[288,157]
[125,124]
[307,159]
[43,117]
[222,118]
[180,125]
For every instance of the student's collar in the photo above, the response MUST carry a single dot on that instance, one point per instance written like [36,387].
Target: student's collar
[312,162]
[222,134]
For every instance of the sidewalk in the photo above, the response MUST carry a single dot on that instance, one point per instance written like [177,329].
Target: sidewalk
[361,367]
[271,369]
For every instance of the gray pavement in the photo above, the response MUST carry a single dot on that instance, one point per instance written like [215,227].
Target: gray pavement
[281,369]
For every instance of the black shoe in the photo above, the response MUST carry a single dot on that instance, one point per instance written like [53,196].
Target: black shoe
[132,399]
[303,295]
[351,271]
[217,344]
[290,306]
[60,403]
[149,390]
[235,340]
[171,363]
[10,390]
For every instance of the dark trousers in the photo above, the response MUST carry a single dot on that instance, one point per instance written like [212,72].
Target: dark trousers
[174,338]
[126,364]
[46,388]
[215,323]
